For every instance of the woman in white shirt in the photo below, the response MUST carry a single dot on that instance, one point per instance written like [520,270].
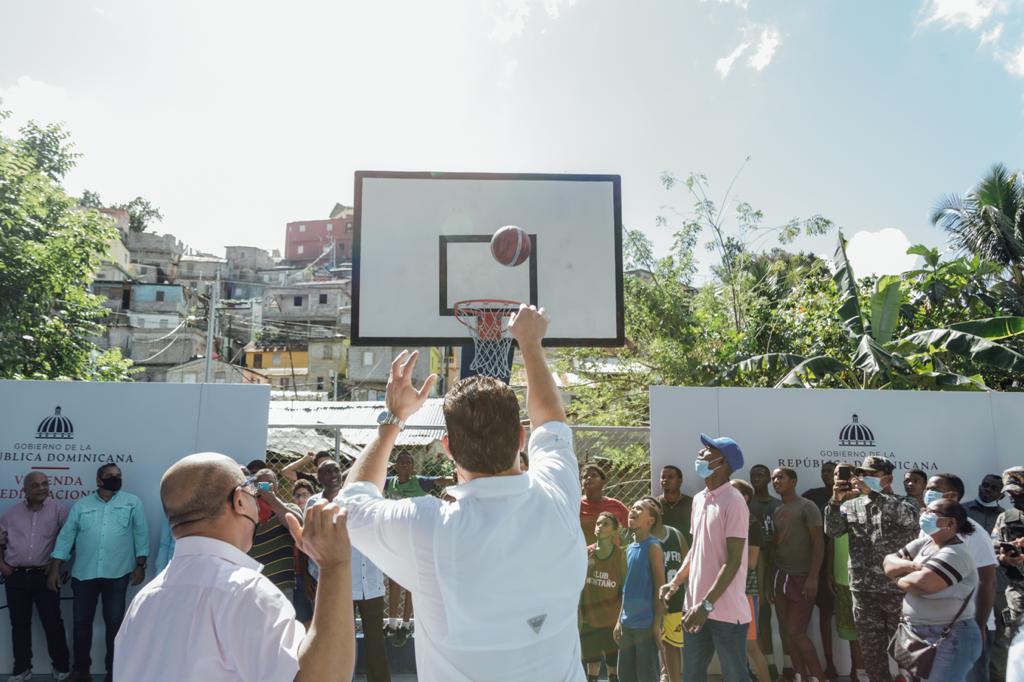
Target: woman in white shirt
[939,577]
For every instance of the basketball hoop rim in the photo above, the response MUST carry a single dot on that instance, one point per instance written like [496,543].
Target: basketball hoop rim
[502,308]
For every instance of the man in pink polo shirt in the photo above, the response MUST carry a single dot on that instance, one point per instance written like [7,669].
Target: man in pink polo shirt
[716,609]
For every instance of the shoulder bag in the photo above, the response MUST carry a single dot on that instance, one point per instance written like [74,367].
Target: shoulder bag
[915,654]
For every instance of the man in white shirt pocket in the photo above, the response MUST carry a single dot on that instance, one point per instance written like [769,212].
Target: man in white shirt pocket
[497,573]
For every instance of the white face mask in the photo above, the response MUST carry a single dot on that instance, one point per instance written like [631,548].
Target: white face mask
[983,503]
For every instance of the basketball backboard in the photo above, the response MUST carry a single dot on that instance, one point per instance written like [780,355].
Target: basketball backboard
[422,242]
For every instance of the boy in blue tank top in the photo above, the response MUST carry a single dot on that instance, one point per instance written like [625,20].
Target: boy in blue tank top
[639,626]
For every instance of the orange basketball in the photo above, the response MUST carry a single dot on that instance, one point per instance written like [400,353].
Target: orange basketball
[511,245]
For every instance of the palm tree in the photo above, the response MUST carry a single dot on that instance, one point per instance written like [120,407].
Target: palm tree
[989,220]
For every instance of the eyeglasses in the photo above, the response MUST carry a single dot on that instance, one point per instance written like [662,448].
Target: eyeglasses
[247,486]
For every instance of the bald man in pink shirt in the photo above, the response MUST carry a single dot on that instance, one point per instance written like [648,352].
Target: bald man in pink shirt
[716,609]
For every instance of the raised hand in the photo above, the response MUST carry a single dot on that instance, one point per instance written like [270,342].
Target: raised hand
[528,325]
[402,398]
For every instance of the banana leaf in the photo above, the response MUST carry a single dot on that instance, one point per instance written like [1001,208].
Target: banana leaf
[992,328]
[885,308]
[944,381]
[975,348]
[811,368]
[849,310]
[769,362]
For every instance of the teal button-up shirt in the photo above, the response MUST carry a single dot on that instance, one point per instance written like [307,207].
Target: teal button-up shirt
[106,536]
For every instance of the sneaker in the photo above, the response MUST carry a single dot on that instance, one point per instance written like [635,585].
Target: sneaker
[59,676]
[401,637]
[23,676]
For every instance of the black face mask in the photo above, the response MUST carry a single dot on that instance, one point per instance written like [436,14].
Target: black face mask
[112,483]
[1018,501]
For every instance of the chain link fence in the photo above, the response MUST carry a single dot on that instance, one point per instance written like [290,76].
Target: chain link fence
[622,451]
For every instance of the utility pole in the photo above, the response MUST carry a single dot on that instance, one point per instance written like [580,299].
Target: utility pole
[211,322]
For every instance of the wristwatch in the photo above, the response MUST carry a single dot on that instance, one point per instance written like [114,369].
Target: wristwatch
[387,418]
[707,606]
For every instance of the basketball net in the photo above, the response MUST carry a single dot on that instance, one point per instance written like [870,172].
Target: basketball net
[487,321]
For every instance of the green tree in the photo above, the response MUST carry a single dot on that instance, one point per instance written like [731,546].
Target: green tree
[49,250]
[733,235]
[953,357]
[140,213]
[90,200]
[989,220]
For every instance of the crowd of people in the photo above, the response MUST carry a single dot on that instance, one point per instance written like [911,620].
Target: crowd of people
[522,573]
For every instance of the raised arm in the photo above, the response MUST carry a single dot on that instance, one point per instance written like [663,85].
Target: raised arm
[291,472]
[543,404]
[403,400]
[328,652]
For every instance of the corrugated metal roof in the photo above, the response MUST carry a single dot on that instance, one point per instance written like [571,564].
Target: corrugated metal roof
[297,442]
[358,419]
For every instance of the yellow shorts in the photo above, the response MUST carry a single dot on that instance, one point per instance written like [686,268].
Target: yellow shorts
[672,629]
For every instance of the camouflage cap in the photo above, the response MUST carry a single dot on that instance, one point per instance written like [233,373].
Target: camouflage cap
[875,465]
[1013,481]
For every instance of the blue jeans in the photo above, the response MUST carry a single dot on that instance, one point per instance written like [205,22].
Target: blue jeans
[638,655]
[728,640]
[980,671]
[957,654]
[87,592]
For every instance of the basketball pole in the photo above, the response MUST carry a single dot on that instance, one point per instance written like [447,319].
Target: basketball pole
[211,320]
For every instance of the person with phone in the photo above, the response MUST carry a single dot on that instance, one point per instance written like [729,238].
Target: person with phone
[273,545]
[1008,536]
[878,523]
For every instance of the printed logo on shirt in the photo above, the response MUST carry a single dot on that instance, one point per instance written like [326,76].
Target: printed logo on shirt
[537,622]
[601,579]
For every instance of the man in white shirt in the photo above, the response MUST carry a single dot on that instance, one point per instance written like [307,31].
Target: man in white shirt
[211,615]
[497,573]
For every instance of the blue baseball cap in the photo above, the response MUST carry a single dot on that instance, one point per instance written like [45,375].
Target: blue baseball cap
[729,448]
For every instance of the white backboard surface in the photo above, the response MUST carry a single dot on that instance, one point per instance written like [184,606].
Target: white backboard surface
[422,242]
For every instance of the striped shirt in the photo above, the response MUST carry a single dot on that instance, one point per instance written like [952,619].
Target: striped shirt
[952,563]
[274,547]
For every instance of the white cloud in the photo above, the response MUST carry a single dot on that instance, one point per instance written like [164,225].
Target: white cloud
[766,46]
[29,98]
[742,4]
[958,13]
[553,8]
[1013,62]
[880,253]
[764,49]
[724,65]
[992,35]
[510,19]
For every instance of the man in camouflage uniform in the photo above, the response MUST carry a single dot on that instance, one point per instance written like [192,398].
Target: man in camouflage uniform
[878,523]
[1009,528]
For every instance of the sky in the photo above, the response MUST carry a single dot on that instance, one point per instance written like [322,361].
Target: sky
[238,117]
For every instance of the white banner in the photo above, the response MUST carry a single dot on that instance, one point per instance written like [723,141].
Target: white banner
[968,434]
[69,429]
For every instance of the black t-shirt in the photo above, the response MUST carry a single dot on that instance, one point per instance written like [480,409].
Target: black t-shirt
[819,496]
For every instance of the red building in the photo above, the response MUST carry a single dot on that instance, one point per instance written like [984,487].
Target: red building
[306,240]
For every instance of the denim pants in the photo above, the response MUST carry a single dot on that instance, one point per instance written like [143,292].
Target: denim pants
[957,654]
[728,640]
[638,656]
[113,592]
[25,588]
[980,671]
